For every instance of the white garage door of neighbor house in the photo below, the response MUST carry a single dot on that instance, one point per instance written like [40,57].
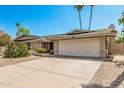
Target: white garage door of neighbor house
[89,47]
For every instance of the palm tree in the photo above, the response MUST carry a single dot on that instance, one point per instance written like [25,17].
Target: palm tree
[91,13]
[21,30]
[18,25]
[79,8]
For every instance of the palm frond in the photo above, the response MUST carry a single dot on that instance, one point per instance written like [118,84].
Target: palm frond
[78,7]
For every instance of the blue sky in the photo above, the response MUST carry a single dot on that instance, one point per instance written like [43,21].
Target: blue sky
[47,20]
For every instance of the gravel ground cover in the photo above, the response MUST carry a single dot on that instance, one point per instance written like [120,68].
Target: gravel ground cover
[109,75]
[9,61]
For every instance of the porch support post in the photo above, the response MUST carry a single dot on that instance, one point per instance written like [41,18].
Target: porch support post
[56,44]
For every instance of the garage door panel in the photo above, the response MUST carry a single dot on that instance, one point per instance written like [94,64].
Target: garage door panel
[80,47]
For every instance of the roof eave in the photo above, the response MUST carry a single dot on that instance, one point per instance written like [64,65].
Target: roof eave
[81,36]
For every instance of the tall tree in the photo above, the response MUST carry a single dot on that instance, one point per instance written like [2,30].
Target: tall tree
[18,25]
[120,37]
[5,39]
[121,20]
[79,8]
[21,30]
[91,13]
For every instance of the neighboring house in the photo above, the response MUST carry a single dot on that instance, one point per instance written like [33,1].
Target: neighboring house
[96,43]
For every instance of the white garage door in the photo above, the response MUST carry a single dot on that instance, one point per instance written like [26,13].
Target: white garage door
[80,47]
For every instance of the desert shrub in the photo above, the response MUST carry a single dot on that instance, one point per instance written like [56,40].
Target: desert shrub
[16,51]
[22,50]
[42,50]
[11,51]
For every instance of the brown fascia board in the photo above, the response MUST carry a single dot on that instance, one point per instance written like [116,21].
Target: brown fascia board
[31,37]
[37,40]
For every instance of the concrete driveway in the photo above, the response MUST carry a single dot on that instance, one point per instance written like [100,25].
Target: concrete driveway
[49,72]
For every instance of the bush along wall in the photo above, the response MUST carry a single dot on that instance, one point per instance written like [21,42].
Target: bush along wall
[16,50]
[42,50]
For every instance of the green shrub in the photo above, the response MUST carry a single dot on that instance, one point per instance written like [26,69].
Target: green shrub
[22,50]
[16,50]
[42,50]
[11,51]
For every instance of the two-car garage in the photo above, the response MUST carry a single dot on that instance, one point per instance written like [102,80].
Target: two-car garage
[88,47]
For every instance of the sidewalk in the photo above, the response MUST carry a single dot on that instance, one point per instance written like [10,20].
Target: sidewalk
[118,58]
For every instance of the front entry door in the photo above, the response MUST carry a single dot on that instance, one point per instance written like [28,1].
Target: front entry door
[51,45]
[51,48]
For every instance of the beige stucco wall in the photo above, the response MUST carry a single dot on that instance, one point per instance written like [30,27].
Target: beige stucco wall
[35,45]
[88,47]
[103,47]
[2,49]
[111,45]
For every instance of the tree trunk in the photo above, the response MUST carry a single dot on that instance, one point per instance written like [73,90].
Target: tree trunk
[91,12]
[80,20]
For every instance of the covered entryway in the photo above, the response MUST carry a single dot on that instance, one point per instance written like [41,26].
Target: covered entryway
[49,46]
[89,47]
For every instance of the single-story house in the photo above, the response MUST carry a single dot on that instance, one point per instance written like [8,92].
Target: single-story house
[83,43]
